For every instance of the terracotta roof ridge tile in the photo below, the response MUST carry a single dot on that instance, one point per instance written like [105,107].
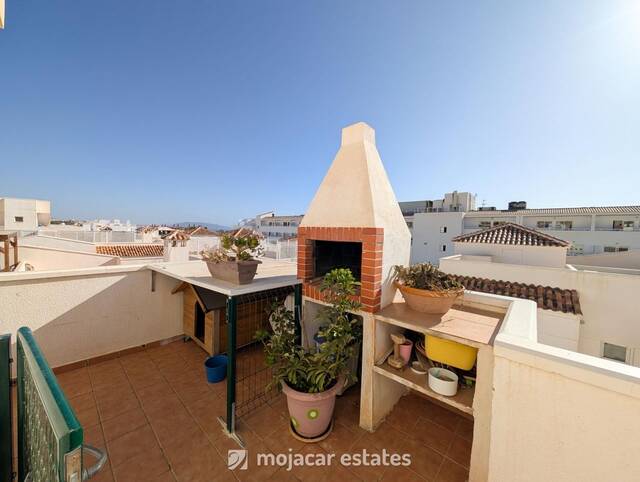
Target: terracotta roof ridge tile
[511,234]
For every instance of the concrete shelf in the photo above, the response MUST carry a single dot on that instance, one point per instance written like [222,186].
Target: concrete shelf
[461,401]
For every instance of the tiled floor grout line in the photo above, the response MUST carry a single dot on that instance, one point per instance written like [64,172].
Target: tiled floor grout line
[104,438]
[144,412]
[186,408]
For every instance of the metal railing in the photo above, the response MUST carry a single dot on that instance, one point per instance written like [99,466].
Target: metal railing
[50,437]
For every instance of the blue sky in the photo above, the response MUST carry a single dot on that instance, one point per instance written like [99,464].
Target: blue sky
[163,111]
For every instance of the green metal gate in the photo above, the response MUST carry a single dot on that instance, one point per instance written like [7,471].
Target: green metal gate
[49,435]
[6,429]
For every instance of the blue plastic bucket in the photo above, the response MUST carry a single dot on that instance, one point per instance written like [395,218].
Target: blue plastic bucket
[216,368]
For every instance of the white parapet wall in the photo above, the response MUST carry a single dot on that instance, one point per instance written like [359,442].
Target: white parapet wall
[80,314]
[558,415]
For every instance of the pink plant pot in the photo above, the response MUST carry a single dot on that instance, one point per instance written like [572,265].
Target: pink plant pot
[311,413]
[405,351]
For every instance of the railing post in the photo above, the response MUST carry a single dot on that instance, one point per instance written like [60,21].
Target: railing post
[6,434]
[232,314]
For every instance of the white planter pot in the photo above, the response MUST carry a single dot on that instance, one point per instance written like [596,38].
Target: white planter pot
[447,387]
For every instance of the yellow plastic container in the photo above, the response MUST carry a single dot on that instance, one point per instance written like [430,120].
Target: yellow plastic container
[450,352]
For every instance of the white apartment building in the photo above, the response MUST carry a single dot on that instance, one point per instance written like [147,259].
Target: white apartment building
[591,231]
[586,310]
[273,227]
[24,214]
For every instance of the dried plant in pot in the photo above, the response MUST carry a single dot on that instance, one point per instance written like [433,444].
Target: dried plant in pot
[234,260]
[427,289]
[311,377]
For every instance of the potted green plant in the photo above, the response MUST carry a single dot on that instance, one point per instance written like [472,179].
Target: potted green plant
[427,289]
[234,260]
[311,377]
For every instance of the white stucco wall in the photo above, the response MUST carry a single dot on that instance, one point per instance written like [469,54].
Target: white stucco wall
[608,300]
[559,329]
[47,259]
[528,255]
[82,316]
[427,238]
[58,243]
[626,259]
[554,421]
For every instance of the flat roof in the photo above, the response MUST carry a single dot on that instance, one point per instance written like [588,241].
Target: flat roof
[271,274]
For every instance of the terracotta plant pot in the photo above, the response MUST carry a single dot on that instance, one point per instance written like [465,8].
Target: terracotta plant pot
[426,301]
[311,413]
[236,272]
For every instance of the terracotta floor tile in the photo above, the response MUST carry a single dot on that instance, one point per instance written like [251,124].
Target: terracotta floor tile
[73,388]
[143,380]
[401,474]
[152,392]
[146,466]
[94,436]
[404,415]
[460,451]
[365,472]
[340,440]
[387,437]
[113,408]
[441,416]
[465,429]
[131,444]
[311,473]
[124,423]
[114,392]
[88,417]
[281,440]
[175,426]
[180,452]
[166,477]
[425,461]
[265,421]
[104,475]
[206,412]
[197,461]
[109,379]
[82,402]
[452,472]
[190,391]
[161,405]
[433,435]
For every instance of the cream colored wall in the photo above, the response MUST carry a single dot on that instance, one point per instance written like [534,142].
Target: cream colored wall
[528,255]
[559,329]
[554,421]
[624,259]
[79,317]
[47,259]
[608,300]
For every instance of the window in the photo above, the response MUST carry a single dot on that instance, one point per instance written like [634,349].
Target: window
[623,225]
[19,219]
[484,224]
[615,249]
[410,224]
[443,229]
[614,352]
[443,248]
[544,224]
[564,225]
[498,223]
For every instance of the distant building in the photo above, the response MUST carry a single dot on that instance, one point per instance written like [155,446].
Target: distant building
[273,227]
[24,214]
[589,230]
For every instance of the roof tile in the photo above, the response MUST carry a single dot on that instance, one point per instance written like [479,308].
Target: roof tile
[137,250]
[512,234]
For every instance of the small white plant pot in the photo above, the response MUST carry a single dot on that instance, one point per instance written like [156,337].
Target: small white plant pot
[443,381]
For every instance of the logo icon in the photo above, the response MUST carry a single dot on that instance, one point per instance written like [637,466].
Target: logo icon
[237,459]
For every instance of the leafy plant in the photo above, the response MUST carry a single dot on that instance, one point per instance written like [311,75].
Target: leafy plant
[425,276]
[242,245]
[314,370]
